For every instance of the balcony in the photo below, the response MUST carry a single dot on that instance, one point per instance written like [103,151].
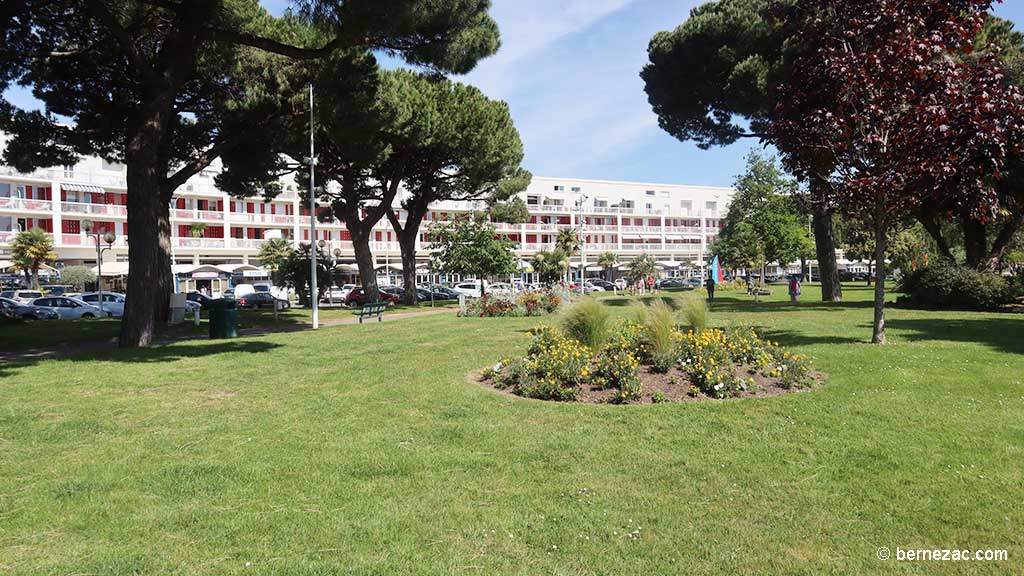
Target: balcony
[25,204]
[6,236]
[279,219]
[200,215]
[96,177]
[87,209]
[215,243]
[72,240]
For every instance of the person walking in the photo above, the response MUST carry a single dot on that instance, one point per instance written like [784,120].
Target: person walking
[750,285]
[710,285]
[794,288]
[650,284]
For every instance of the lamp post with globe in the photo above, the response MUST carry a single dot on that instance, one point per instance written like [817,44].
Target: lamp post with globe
[101,237]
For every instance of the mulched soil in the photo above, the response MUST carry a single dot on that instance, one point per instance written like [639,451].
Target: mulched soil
[675,385]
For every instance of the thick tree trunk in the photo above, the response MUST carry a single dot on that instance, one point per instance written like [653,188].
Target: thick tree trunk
[878,326]
[931,225]
[975,241]
[149,273]
[1002,240]
[364,259]
[825,250]
[408,245]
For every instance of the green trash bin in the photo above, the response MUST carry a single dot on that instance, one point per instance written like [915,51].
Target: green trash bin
[223,319]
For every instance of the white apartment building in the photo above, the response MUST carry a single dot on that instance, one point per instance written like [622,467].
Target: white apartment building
[674,223]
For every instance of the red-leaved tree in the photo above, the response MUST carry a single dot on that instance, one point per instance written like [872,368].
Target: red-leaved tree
[886,118]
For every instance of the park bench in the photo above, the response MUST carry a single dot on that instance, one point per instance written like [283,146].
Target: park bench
[370,310]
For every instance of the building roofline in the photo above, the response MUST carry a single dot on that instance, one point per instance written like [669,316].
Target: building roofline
[636,183]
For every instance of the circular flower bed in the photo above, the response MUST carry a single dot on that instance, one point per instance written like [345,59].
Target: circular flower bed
[521,304]
[635,365]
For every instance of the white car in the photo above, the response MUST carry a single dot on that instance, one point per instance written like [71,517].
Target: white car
[336,294]
[22,296]
[470,289]
[499,288]
[113,303]
[68,308]
[591,288]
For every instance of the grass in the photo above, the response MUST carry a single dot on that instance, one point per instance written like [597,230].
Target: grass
[364,450]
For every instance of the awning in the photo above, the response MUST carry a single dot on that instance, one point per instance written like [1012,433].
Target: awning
[112,269]
[5,264]
[348,267]
[595,269]
[396,267]
[67,187]
[668,264]
[236,268]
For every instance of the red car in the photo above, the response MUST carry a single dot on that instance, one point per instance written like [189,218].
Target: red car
[357,297]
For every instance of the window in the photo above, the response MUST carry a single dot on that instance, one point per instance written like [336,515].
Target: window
[650,192]
[559,188]
[686,205]
[69,171]
[532,200]
[576,189]
[663,194]
[626,204]
[711,205]
[600,203]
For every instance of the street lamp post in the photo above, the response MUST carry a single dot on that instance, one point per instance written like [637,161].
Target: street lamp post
[107,237]
[583,242]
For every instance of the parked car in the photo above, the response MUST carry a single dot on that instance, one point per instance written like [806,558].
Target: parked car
[590,287]
[16,309]
[444,292]
[68,308]
[672,283]
[499,288]
[202,299]
[357,297]
[22,296]
[113,303]
[261,300]
[694,282]
[337,293]
[55,289]
[606,285]
[470,288]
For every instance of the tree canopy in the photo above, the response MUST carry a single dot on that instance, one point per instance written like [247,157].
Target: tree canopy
[470,247]
[169,86]
[30,250]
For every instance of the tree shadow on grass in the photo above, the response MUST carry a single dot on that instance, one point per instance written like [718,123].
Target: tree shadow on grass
[151,355]
[1004,334]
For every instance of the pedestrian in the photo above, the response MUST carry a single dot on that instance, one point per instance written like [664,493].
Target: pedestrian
[650,284]
[794,288]
[750,285]
[710,285]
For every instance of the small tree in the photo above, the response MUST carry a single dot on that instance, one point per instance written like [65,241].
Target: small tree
[470,246]
[295,272]
[31,250]
[273,254]
[515,211]
[608,260]
[642,267]
[77,277]
[197,230]
[550,266]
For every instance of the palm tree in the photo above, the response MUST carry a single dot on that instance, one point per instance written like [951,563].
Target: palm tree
[197,230]
[568,240]
[31,250]
[608,260]
[273,254]
[550,266]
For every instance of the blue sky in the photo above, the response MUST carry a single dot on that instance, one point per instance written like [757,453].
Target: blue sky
[569,70]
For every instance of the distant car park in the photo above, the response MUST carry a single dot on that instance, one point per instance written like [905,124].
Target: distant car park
[22,296]
[358,297]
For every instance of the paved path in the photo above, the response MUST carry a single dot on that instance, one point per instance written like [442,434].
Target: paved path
[71,348]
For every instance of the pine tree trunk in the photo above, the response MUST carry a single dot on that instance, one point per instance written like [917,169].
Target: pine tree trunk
[825,250]
[149,273]
[364,259]
[881,224]
[407,242]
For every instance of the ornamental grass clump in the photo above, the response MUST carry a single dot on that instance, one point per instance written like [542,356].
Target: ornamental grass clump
[661,335]
[695,311]
[587,321]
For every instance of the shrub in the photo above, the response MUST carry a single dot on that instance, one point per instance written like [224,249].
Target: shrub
[695,310]
[1017,285]
[659,398]
[618,370]
[705,357]
[946,286]
[553,370]
[77,277]
[661,335]
[792,370]
[529,303]
[587,321]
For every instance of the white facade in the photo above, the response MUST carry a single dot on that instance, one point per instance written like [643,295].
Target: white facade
[671,222]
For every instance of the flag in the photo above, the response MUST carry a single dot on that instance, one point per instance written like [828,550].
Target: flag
[716,271]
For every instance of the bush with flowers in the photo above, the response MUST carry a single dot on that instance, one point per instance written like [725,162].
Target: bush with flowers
[708,363]
[521,304]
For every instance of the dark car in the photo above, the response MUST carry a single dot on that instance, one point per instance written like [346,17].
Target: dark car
[261,300]
[357,297]
[16,309]
[602,283]
[444,292]
[671,283]
[201,299]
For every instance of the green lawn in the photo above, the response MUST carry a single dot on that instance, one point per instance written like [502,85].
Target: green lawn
[363,450]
